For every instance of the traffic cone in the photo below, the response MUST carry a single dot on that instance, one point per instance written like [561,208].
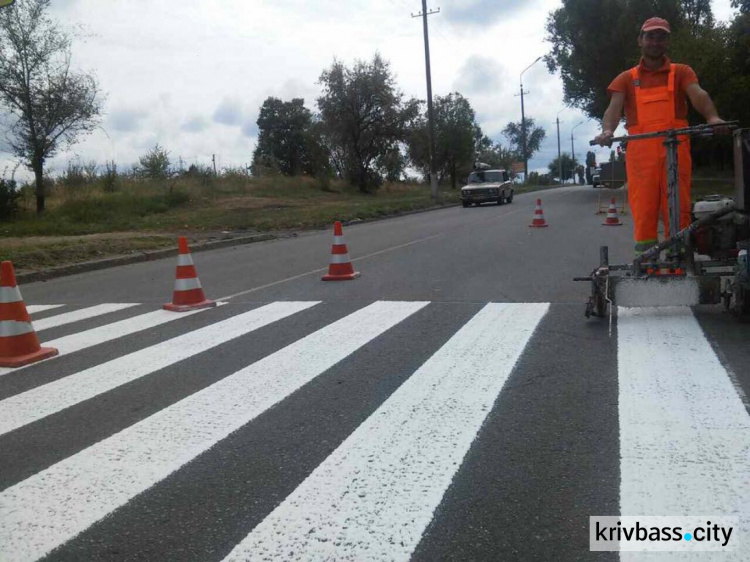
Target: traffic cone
[538,221]
[612,218]
[339,268]
[19,345]
[188,292]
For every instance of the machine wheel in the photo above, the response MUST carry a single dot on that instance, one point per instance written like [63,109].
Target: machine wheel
[509,199]
[465,204]
[501,199]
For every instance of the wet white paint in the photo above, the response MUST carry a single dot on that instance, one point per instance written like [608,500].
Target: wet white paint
[95,336]
[684,431]
[78,315]
[34,308]
[374,496]
[45,400]
[57,504]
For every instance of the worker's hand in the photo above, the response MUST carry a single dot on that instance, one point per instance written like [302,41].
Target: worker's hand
[718,121]
[605,138]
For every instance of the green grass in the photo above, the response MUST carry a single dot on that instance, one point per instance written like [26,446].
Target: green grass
[88,222]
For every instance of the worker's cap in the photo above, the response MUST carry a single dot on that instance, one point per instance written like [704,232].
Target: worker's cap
[655,23]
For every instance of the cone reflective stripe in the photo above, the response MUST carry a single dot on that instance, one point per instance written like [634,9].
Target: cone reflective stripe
[538,221]
[339,267]
[188,291]
[19,344]
[612,218]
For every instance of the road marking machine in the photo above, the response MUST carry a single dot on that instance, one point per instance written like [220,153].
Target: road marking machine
[705,263]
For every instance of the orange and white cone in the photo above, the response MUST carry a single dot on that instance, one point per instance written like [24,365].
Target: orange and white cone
[340,267]
[19,345]
[612,219]
[538,221]
[188,292]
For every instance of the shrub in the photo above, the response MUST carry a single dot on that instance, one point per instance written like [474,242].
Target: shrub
[110,179]
[155,164]
[9,195]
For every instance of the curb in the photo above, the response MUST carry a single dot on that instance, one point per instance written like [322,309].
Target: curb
[94,265]
[84,267]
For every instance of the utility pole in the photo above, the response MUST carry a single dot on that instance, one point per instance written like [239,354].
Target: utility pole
[213,159]
[430,115]
[573,151]
[523,124]
[559,156]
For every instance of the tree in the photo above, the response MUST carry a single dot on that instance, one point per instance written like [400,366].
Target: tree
[455,135]
[285,136]
[590,163]
[50,105]
[155,164]
[534,138]
[569,166]
[364,117]
[493,153]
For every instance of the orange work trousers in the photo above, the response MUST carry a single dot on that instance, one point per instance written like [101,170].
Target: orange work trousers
[646,163]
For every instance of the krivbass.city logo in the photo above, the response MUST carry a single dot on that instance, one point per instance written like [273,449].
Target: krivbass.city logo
[664,533]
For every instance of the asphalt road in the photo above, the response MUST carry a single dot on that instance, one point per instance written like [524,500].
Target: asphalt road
[452,403]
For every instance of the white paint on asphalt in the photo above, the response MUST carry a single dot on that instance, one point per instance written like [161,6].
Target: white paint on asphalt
[374,496]
[53,506]
[684,431]
[77,315]
[37,403]
[95,336]
[33,308]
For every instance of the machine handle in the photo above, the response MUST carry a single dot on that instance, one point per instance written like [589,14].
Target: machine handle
[704,130]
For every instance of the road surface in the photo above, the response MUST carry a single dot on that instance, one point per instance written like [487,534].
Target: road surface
[450,404]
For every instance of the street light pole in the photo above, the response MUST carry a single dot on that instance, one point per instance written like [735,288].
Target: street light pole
[572,147]
[523,124]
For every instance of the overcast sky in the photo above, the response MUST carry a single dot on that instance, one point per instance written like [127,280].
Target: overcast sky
[191,74]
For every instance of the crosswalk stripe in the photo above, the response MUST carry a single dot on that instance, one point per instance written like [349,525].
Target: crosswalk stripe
[102,334]
[77,315]
[684,431]
[51,507]
[33,308]
[37,403]
[372,498]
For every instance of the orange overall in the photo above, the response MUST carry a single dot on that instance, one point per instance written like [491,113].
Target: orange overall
[646,162]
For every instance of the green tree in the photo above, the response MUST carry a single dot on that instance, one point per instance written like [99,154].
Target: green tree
[568,167]
[285,136]
[155,164]
[592,42]
[364,117]
[493,153]
[534,137]
[455,136]
[50,105]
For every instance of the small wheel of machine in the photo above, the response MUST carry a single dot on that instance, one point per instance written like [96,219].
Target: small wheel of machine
[509,200]
[465,204]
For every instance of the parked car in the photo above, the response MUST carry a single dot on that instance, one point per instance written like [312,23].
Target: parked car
[487,186]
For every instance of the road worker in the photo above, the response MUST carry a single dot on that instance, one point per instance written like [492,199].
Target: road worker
[654,96]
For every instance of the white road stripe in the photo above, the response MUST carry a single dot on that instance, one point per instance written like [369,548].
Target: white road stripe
[82,314]
[32,308]
[89,338]
[37,403]
[684,431]
[374,496]
[55,505]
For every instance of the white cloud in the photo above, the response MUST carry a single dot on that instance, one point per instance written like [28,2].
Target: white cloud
[171,69]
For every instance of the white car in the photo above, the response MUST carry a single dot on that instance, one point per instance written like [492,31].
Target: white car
[487,186]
